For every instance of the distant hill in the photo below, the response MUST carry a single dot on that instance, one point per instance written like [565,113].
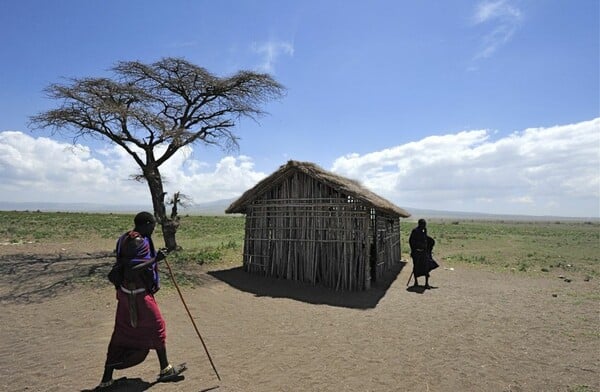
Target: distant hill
[417,213]
[218,207]
[211,208]
[70,207]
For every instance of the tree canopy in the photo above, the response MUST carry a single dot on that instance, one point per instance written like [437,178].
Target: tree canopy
[171,103]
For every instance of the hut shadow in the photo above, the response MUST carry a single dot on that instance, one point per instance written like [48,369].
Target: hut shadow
[264,286]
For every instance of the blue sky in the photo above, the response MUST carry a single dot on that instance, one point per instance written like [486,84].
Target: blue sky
[483,106]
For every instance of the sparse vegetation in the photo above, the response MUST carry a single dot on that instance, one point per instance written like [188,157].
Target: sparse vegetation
[524,247]
[196,231]
[516,246]
[580,388]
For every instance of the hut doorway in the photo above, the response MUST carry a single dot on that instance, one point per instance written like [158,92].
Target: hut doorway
[373,248]
[373,262]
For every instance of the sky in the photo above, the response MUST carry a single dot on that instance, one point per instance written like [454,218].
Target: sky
[486,106]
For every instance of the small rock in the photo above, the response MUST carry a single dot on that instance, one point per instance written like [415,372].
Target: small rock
[561,276]
[567,280]
[555,295]
[545,270]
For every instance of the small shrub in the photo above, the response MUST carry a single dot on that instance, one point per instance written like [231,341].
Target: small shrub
[523,266]
[580,388]
[198,257]
[229,245]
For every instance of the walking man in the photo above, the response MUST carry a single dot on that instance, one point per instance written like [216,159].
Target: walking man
[421,246]
[139,325]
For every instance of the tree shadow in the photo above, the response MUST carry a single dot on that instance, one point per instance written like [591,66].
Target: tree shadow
[32,278]
[264,286]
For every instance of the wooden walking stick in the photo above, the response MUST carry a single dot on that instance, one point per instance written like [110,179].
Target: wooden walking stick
[410,277]
[191,318]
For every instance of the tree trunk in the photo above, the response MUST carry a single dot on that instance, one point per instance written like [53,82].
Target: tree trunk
[169,226]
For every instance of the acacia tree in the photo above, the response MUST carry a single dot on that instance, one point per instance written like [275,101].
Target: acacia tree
[157,109]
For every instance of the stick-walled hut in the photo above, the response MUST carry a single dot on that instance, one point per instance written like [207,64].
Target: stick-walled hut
[308,224]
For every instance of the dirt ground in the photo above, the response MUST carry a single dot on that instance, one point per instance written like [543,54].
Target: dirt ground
[476,331]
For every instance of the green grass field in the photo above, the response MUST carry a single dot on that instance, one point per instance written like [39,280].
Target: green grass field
[517,246]
[522,247]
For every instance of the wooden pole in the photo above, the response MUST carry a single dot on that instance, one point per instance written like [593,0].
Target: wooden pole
[191,318]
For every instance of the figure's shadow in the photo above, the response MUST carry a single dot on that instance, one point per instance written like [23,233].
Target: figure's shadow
[125,384]
[263,286]
[419,289]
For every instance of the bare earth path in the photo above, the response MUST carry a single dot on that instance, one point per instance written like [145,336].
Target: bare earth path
[477,331]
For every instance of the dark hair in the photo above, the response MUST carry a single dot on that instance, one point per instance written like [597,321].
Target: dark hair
[144,218]
[422,222]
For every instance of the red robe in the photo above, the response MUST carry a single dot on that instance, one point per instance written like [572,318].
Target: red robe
[129,345]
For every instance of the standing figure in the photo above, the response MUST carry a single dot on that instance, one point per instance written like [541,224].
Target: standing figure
[139,325]
[421,246]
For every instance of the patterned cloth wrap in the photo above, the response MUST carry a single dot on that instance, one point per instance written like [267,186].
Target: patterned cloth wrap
[129,345]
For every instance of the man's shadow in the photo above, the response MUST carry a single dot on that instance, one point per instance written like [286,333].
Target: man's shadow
[419,289]
[125,384]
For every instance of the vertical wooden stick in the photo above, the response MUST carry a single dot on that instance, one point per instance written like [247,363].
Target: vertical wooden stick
[191,318]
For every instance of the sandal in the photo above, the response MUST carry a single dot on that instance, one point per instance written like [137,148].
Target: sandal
[172,373]
[110,385]
[104,385]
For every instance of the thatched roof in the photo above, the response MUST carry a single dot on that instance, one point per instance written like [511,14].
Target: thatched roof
[345,185]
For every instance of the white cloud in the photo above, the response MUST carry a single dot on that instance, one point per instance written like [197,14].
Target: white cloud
[229,178]
[41,169]
[489,10]
[539,171]
[270,52]
[502,18]
[183,44]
